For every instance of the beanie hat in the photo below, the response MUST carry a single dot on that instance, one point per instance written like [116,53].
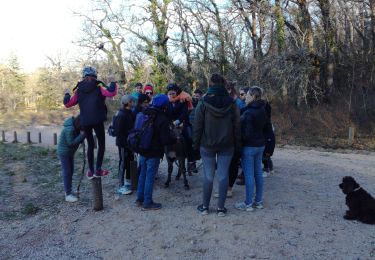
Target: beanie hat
[148,87]
[174,87]
[126,99]
[142,98]
[160,101]
[89,71]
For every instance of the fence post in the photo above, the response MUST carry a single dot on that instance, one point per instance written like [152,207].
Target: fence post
[54,139]
[15,137]
[98,193]
[28,137]
[3,136]
[351,134]
[40,137]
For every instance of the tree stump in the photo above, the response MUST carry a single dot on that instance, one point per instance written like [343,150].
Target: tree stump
[97,193]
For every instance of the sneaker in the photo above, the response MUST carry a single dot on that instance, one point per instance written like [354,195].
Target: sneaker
[229,194]
[221,212]
[139,203]
[258,205]
[152,206]
[89,175]
[243,206]
[71,198]
[202,209]
[265,174]
[100,173]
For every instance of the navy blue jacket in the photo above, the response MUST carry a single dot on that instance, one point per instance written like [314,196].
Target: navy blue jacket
[254,124]
[162,133]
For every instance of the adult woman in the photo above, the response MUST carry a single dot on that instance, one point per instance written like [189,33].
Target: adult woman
[254,121]
[217,143]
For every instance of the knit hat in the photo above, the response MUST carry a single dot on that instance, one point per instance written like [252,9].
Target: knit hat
[142,98]
[174,87]
[126,99]
[160,101]
[148,87]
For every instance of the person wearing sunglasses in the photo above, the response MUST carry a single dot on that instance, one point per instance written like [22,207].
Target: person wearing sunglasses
[148,90]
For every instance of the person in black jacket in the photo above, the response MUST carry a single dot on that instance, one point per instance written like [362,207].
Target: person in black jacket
[254,123]
[124,123]
[149,160]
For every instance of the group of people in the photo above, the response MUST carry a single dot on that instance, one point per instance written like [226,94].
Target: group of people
[223,128]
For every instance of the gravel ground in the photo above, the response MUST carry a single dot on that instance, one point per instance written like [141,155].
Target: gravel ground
[302,219]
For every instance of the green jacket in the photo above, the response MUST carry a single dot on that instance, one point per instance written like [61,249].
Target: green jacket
[217,127]
[69,140]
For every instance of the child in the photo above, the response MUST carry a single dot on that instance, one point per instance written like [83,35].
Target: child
[124,122]
[69,140]
[90,95]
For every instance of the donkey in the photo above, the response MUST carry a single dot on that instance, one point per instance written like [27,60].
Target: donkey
[177,154]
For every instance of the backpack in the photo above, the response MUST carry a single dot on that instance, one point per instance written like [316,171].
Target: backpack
[113,128]
[139,138]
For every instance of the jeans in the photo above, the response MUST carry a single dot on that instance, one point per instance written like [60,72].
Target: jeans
[67,164]
[210,159]
[252,168]
[149,167]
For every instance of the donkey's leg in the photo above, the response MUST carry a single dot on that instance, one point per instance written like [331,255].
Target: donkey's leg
[183,171]
[170,170]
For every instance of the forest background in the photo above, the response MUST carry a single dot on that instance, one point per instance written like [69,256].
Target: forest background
[315,60]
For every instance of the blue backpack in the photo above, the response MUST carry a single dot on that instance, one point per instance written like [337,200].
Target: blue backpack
[139,138]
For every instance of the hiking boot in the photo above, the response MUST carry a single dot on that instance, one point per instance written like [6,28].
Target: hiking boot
[221,212]
[139,203]
[152,206]
[241,182]
[89,175]
[258,205]
[100,173]
[243,206]
[71,198]
[202,209]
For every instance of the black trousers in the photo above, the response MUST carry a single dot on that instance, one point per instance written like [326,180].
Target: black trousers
[125,156]
[100,134]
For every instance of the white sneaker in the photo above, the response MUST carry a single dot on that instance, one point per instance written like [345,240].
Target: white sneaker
[125,190]
[244,207]
[265,174]
[71,198]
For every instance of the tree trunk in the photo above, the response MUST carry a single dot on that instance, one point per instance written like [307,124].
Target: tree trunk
[280,27]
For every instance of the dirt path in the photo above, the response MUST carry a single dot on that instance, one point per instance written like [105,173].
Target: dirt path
[302,219]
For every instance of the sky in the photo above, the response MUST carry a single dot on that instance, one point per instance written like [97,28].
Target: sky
[34,29]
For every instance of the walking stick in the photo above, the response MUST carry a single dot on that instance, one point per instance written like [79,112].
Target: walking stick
[83,167]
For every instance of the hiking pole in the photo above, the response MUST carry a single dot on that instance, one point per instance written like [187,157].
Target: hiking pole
[83,167]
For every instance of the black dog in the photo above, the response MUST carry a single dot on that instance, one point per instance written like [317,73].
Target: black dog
[361,204]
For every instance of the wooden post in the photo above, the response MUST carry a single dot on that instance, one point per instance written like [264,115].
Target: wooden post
[15,137]
[3,136]
[40,137]
[98,193]
[351,134]
[54,139]
[95,142]
[28,137]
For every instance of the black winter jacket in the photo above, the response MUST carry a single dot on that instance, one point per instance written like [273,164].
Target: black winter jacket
[162,133]
[124,123]
[254,124]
